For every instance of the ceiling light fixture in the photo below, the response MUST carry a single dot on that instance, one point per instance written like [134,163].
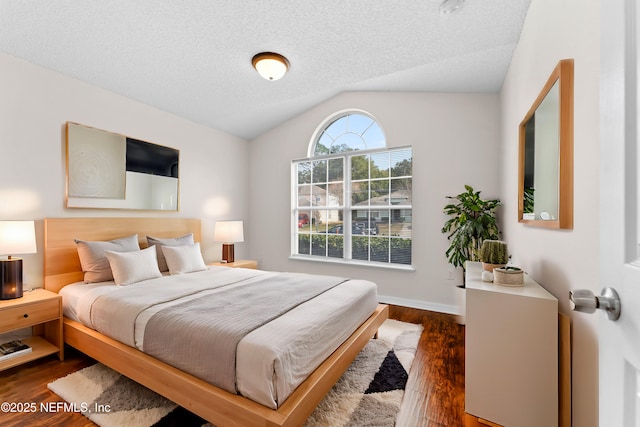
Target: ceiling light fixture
[450,6]
[271,66]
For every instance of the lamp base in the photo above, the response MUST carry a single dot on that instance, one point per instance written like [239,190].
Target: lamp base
[10,278]
[227,252]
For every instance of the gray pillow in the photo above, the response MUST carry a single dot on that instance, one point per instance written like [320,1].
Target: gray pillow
[93,260]
[187,239]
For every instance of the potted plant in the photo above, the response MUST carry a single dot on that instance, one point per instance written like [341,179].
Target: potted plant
[472,220]
[493,254]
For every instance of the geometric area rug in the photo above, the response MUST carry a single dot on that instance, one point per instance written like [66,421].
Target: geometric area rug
[369,393]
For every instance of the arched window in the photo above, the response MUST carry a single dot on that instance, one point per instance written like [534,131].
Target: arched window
[350,131]
[352,196]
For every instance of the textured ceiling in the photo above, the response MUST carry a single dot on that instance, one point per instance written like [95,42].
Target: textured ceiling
[193,57]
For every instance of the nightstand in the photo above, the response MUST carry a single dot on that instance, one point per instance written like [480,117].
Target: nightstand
[239,263]
[42,311]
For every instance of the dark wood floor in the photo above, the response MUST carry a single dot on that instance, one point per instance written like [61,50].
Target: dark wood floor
[434,395]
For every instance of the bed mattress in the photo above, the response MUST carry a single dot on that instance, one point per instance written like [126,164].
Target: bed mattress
[272,360]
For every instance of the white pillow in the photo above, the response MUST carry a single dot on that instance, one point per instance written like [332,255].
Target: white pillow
[184,259]
[187,239]
[132,267]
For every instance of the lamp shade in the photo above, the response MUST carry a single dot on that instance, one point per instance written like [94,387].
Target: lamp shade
[229,232]
[271,66]
[17,237]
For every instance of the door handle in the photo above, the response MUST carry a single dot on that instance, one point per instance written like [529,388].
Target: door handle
[585,301]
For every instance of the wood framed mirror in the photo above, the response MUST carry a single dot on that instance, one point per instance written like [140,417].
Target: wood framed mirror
[545,184]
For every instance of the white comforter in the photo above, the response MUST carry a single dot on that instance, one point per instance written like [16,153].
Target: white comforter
[273,359]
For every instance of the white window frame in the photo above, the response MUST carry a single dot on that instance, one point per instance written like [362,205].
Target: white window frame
[346,207]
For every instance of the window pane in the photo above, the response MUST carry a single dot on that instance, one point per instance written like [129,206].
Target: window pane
[336,170]
[401,184]
[335,246]
[304,244]
[337,127]
[319,171]
[400,251]
[375,137]
[380,165]
[319,244]
[401,163]
[400,191]
[324,144]
[359,123]
[335,195]
[380,192]
[382,219]
[398,223]
[304,196]
[304,173]
[360,248]
[359,167]
[319,221]
[379,249]
[360,193]
[334,216]
[319,195]
[304,221]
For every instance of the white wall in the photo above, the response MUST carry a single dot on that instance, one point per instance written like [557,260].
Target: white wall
[35,104]
[455,140]
[560,260]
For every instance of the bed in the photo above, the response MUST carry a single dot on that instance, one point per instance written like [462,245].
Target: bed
[221,407]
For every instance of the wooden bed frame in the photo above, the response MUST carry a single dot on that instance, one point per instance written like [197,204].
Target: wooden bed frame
[62,267]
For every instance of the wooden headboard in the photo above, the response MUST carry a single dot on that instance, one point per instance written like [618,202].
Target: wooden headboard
[61,262]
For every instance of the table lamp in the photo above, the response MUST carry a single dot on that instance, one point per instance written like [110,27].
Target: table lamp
[16,237]
[228,232]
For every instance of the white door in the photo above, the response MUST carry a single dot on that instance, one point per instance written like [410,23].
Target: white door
[619,341]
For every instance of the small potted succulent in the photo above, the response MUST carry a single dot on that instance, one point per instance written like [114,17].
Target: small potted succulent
[493,254]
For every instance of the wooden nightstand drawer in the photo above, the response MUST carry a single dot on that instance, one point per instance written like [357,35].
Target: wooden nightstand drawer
[29,314]
[41,310]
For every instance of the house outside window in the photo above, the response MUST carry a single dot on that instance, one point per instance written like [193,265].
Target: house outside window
[352,198]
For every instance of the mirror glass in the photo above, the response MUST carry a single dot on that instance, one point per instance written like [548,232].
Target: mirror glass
[112,171]
[546,154]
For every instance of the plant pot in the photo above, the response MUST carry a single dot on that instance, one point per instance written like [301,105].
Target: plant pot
[508,277]
[489,267]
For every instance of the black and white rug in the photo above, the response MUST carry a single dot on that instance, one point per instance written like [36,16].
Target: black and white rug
[368,394]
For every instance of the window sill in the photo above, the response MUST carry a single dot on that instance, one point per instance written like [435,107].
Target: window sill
[353,263]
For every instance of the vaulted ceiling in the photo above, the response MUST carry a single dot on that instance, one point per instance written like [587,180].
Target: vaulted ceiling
[192,58]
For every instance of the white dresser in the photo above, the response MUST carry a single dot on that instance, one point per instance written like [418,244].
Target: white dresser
[511,353]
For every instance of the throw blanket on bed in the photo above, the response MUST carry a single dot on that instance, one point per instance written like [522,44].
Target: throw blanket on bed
[126,303]
[201,336]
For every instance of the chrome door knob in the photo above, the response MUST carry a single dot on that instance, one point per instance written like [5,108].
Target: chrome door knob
[585,301]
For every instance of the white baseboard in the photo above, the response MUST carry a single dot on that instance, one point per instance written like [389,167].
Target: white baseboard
[422,305]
